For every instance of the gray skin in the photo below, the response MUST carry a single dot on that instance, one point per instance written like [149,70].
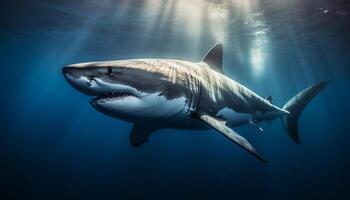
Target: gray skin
[163,93]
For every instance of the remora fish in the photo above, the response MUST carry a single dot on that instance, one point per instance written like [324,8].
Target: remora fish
[163,93]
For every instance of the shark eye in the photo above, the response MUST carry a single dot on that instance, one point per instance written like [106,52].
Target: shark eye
[110,70]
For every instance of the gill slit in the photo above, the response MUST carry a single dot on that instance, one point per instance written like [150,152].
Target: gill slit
[196,93]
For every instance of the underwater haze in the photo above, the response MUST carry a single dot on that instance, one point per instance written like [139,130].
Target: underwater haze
[54,145]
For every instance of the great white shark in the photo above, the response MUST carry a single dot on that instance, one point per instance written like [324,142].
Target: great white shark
[155,94]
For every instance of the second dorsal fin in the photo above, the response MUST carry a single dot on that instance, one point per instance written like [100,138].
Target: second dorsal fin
[269,98]
[214,58]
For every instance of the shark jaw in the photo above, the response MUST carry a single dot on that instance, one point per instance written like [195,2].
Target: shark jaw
[111,97]
[115,96]
[112,94]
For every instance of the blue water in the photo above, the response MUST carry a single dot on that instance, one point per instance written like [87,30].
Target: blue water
[54,145]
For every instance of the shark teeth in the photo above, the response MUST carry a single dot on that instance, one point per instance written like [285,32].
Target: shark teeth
[105,97]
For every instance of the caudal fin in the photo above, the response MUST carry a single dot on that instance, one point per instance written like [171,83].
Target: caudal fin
[296,105]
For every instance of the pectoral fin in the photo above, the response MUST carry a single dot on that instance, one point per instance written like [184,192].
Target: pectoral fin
[229,133]
[140,134]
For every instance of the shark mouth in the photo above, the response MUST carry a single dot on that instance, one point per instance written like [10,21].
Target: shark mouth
[113,96]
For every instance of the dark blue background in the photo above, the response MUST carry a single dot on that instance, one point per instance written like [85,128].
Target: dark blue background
[54,145]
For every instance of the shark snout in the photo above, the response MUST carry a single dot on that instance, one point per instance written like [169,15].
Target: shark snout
[70,71]
[67,69]
[78,79]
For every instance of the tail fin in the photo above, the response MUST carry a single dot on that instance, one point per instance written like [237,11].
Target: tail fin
[296,105]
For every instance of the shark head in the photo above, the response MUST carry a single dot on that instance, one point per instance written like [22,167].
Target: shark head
[131,90]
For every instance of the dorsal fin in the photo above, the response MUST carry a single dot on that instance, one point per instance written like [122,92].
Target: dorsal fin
[269,98]
[214,58]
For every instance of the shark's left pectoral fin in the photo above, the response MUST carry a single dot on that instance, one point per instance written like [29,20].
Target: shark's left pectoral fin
[229,133]
[140,134]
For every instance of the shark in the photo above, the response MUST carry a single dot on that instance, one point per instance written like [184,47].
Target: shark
[156,94]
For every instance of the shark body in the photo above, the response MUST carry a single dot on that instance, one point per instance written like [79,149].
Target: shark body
[163,93]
